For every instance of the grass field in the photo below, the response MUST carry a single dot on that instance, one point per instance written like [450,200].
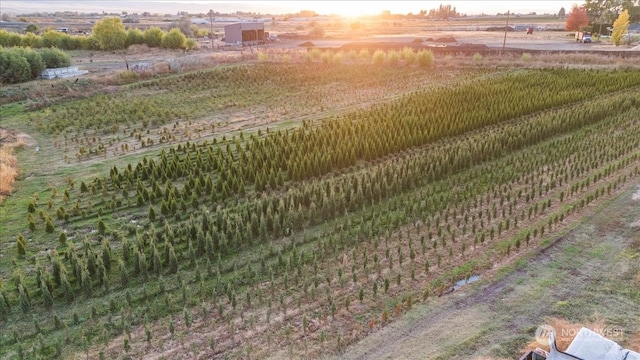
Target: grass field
[308,204]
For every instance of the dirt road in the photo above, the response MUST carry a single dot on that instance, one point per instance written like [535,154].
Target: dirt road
[541,41]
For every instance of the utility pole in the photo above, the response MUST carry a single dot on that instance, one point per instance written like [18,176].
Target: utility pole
[601,19]
[504,42]
[211,13]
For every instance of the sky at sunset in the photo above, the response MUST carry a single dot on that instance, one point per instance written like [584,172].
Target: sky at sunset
[345,8]
[352,8]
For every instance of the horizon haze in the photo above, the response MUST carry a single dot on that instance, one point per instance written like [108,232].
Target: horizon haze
[343,8]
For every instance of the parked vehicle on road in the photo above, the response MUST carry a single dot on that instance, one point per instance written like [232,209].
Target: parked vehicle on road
[583,36]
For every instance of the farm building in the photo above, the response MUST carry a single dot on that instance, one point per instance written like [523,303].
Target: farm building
[245,33]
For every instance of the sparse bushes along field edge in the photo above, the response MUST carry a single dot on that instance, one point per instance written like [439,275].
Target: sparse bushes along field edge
[108,34]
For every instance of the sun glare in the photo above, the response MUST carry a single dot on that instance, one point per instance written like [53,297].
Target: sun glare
[357,8]
[350,9]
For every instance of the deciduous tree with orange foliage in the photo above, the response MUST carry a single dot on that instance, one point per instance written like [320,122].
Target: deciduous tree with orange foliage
[577,18]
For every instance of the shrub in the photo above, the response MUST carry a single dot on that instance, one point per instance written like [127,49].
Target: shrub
[54,58]
[101,227]
[174,39]
[190,44]
[326,57]
[89,43]
[127,75]
[152,213]
[52,38]
[36,64]
[25,302]
[32,28]
[393,57]
[134,37]
[307,57]
[49,227]
[425,58]
[62,239]
[110,33]
[153,37]
[13,67]
[262,56]
[31,40]
[477,57]
[527,57]
[21,245]
[408,55]
[315,53]
[9,39]
[337,58]
[72,43]
[378,57]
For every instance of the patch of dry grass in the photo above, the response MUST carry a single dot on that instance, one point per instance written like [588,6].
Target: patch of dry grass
[634,344]
[8,171]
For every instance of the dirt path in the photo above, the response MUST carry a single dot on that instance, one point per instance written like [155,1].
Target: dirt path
[575,278]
